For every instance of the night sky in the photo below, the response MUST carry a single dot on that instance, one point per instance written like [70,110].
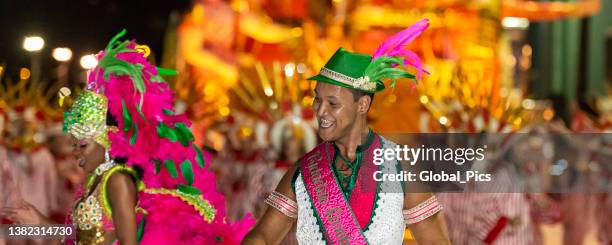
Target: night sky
[85,26]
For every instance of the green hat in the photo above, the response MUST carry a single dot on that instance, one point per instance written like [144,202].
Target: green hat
[358,71]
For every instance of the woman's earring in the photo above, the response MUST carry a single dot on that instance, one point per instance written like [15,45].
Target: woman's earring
[106,156]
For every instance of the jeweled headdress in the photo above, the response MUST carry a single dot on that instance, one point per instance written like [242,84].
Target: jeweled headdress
[87,118]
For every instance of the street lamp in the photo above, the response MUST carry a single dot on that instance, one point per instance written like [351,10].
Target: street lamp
[88,61]
[34,44]
[62,54]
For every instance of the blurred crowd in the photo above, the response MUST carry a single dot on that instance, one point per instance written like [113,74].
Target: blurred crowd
[36,166]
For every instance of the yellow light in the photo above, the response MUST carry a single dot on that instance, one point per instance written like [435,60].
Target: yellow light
[246,131]
[89,61]
[197,14]
[307,101]
[289,69]
[443,120]
[268,91]
[424,99]
[224,111]
[62,54]
[24,73]
[1,70]
[240,6]
[528,104]
[517,121]
[515,23]
[33,43]
[296,32]
[209,90]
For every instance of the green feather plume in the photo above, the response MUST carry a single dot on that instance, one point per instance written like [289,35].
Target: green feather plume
[387,67]
[111,64]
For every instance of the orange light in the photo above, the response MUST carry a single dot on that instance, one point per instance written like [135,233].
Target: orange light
[548,114]
[24,73]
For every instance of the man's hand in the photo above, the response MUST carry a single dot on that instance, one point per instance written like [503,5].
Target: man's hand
[274,225]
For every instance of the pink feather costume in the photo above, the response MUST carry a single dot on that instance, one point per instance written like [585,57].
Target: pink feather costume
[179,201]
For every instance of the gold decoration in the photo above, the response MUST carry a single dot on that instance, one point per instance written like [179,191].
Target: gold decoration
[206,210]
[63,93]
[143,49]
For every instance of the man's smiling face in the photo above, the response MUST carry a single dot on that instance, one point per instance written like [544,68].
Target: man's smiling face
[336,111]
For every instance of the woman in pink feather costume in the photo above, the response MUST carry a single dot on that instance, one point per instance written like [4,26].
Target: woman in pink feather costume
[148,182]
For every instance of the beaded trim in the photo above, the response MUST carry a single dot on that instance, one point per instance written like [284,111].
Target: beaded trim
[422,211]
[283,204]
[104,184]
[206,210]
[363,83]
[104,166]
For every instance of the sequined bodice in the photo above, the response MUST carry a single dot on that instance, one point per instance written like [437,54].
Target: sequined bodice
[90,218]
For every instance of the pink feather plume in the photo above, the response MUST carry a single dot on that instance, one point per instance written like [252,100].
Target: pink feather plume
[395,46]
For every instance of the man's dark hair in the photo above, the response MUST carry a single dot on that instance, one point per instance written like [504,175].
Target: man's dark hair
[358,94]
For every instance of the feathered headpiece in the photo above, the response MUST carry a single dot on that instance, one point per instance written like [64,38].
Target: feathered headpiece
[365,73]
[136,95]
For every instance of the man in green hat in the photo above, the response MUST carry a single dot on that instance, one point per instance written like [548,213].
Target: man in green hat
[331,193]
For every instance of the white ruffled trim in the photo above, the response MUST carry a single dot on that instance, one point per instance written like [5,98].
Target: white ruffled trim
[307,229]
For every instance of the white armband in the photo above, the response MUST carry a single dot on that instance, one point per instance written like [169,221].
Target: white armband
[283,204]
[422,211]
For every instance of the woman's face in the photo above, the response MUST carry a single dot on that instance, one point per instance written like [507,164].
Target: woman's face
[88,153]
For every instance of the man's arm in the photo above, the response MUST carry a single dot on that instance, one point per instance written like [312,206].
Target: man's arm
[274,224]
[425,219]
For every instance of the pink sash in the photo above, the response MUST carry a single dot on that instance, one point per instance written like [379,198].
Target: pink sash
[342,223]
